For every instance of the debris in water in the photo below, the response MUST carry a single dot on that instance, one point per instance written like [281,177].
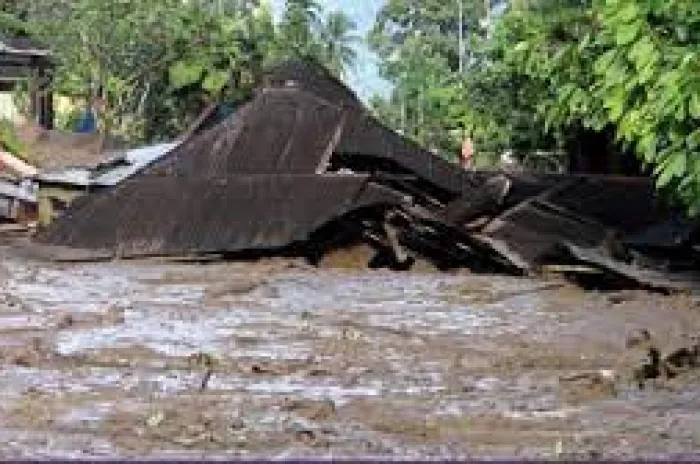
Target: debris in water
[650,369]
[65,322]
[588,385]
[311,409]
[232,287]
[638,337]
[206,361]
[155,419]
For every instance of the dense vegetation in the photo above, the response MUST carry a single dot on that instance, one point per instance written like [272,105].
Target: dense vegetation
[592,79]
[158,63]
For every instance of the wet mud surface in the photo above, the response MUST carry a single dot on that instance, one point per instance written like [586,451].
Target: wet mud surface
[277,360]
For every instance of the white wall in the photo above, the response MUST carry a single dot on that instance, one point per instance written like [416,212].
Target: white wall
[7,107]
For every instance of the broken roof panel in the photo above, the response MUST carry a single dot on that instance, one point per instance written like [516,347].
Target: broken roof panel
[70,176]
[22,192]
[249,182]
[311,77]
[165,215]
[22,46]
[580,210]
[124,165]
[279,131]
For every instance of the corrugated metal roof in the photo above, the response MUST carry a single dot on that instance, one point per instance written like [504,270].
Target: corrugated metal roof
[75,176]
[129,163]
[22,46]
[253,182]
[110,172]
[20,192]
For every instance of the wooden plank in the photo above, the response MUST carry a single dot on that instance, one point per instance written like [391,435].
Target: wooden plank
[569,268]
[500,219]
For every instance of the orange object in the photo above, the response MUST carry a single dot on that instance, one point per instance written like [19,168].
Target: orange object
[467,152]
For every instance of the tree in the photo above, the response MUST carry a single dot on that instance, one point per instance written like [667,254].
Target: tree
[298,28]
[111,62]
[591,78]
[159,63]
[337,42]
[624,69]
[305,33]
[418,45]
[13,16]
[155,62]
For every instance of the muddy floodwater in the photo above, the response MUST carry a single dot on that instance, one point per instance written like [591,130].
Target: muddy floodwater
[270,360]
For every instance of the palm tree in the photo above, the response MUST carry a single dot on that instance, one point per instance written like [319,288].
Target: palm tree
[337,41]
[299,24]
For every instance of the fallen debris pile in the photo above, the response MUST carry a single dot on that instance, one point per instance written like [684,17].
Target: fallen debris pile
[680,359]
[303,168]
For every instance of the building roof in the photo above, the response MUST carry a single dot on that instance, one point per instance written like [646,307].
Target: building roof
[23,192]
[22,46]
[109,172]
[124,165]
[18,55]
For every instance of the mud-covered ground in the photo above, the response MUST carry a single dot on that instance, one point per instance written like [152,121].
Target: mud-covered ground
[272,360]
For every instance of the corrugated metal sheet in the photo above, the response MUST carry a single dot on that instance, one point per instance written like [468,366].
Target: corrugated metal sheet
[129,163]
[20,192]
[365,135]
[75,176]
[248,183]
[172,216]
[22,46]
[311,77]
[281,130]
[577,210]
[110,172]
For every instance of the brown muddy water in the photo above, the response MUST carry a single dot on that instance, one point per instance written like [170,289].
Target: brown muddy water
[266,360]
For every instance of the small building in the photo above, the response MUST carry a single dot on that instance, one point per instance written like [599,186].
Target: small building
[21,60]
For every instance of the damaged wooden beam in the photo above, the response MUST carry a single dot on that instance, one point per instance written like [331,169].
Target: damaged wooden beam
[677,281]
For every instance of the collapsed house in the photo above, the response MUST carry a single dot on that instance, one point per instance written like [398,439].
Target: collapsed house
[302,167]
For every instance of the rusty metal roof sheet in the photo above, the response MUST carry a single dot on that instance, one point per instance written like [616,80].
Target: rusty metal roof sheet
[167,215]
[311,77]
[250,182]
[281,130]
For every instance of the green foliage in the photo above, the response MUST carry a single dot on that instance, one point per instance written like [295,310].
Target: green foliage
[417,42]
[158,63]
[549,72]
[305,32]
[650,82]
[337,41]
[299,26]
[183,73]
[9,141]
[628,64]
